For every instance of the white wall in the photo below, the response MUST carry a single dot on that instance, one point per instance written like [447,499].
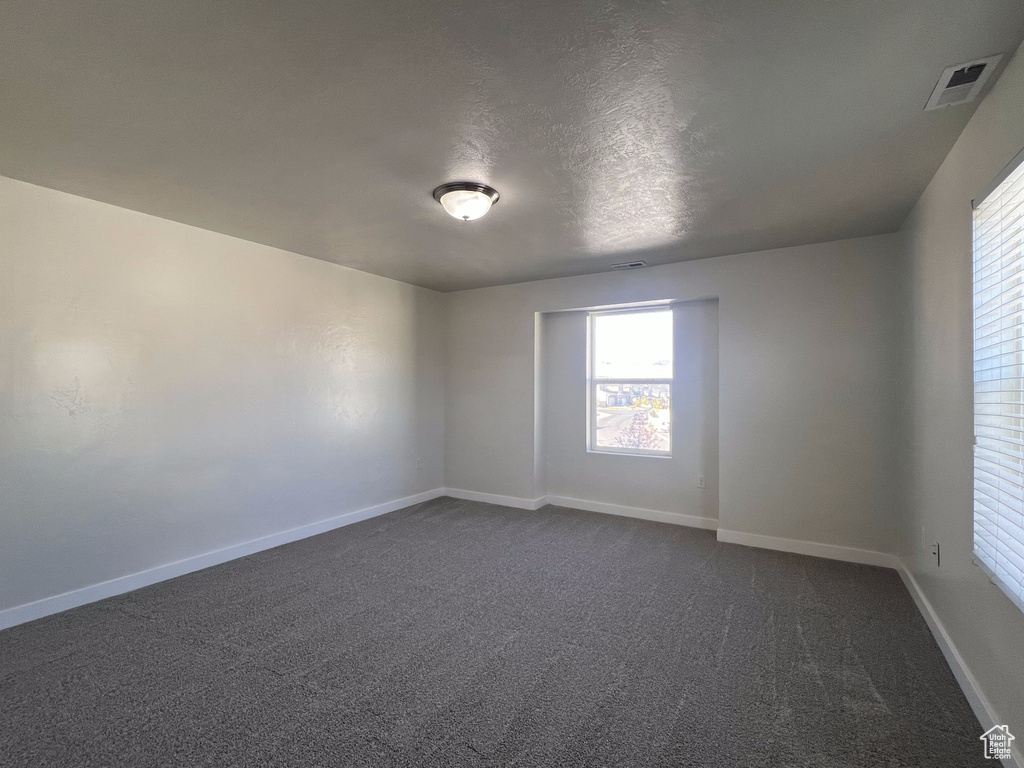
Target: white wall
[985,626]
[807,401]
[650,483]
[166,391]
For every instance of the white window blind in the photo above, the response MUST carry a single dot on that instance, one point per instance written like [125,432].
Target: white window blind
[999,380]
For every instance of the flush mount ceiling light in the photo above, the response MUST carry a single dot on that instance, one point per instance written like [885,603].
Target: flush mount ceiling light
[466,200]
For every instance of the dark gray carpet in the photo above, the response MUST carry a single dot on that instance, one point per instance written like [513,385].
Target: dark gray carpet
[462,634]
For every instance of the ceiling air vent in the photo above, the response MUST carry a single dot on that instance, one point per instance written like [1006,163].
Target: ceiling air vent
[630,265]
[962,82]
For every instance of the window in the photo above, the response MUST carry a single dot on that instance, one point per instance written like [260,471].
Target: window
[999,381]
[630,382]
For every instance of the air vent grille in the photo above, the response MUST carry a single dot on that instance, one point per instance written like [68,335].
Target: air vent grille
[630,265]
[962,83]
[966,75]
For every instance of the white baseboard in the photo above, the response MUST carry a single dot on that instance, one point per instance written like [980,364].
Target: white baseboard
[493,498]
[968,683]
[19,614]
[708,523]
[587,506]
[812,548]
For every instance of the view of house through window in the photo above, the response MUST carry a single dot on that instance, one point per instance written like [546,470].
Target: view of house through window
[631,382]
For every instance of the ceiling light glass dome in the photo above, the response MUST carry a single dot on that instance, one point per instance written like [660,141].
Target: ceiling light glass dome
[466,200]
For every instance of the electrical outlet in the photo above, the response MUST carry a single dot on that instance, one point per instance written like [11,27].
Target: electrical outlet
[700,481]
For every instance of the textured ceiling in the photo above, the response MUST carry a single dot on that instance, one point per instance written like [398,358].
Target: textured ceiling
[663,130]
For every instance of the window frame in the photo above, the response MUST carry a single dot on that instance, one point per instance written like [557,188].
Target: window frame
[979,558]
[593,381]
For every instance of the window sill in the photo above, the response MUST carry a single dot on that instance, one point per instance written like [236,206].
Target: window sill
[601,452]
